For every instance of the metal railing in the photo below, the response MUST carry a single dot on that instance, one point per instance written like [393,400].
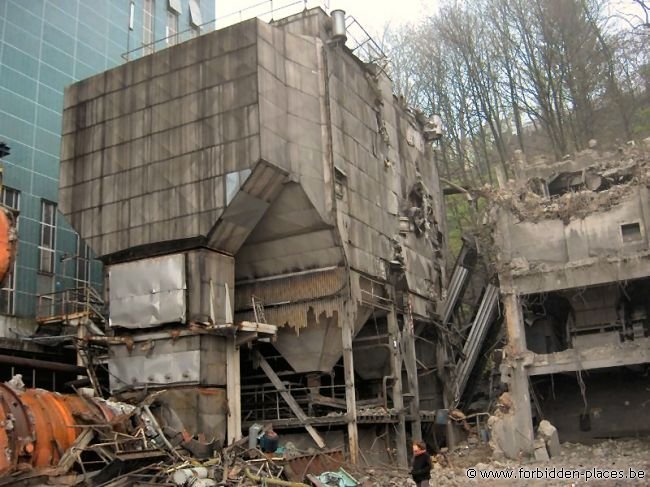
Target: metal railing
[264,402]
[268,10]
[70,304]
[363,45]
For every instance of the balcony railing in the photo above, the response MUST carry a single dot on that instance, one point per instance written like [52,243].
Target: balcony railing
[71,304]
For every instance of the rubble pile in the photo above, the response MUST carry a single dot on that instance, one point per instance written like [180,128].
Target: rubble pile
[451,469]
[98,442]
[599,186]
[146,444]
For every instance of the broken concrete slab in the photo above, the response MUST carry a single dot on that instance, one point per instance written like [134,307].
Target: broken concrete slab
[503,438]
[548,433]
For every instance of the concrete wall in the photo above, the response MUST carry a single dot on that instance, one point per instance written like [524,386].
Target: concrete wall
[200,409]
[325,155]
[586,240]
[380,170]
[376,173]
[150,148]
[147,146]
[617,405]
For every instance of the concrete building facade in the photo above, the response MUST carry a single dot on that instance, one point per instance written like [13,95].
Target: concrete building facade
[261,185]
[571,241]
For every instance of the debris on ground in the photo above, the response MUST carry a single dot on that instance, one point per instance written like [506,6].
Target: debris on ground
[91,441]
[610,455]
[145,444]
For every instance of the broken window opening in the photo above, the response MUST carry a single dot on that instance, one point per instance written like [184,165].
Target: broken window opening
[547,318]
[340,183]
[631,232]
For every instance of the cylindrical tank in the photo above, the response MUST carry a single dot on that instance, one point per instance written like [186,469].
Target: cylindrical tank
[39,426]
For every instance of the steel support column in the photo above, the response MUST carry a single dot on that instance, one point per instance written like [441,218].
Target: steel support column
[350,396]
[398,400]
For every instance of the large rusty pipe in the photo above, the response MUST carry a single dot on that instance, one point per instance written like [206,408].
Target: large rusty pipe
[42,364]
[38,426]
[8,240]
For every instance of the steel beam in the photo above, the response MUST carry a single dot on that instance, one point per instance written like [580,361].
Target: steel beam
[291,402]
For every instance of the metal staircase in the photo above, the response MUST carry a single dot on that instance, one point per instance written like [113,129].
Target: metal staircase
[67,317]
[69,306]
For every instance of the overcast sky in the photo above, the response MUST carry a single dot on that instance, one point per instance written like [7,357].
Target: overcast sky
[371,14]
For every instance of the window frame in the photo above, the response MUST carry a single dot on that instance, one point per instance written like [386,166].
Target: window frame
[82,261]
[8,292]
[171,27]
[50,246]
[8,284]
[148,25]
[196,16]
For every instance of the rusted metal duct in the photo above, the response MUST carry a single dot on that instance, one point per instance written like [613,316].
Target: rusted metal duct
[38,426]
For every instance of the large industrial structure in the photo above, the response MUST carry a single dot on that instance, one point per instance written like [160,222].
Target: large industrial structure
[271,229]
[271,222]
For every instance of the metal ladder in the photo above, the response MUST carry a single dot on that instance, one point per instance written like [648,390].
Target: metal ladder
[258,310]
[84,358]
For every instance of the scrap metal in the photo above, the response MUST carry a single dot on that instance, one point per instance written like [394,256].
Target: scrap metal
[73,439]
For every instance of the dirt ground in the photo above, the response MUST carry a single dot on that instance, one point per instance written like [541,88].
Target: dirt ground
[595,465]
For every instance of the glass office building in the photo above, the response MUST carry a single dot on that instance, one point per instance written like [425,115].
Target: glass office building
[44,46]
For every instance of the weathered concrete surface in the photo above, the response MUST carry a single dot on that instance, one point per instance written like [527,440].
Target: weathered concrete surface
[617,402]
[594,257]
[278,149]
[541,454]
[590,236]
[548,433]
[200,409]
[517,424]
[163,150]
[626,353]
[148,146]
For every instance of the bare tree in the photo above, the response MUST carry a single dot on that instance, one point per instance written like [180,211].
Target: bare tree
[504,74]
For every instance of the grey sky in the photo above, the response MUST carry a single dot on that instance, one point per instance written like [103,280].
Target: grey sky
[372,14]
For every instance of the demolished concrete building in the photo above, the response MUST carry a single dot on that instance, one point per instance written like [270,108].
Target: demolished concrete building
[571,246]
[266,211]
